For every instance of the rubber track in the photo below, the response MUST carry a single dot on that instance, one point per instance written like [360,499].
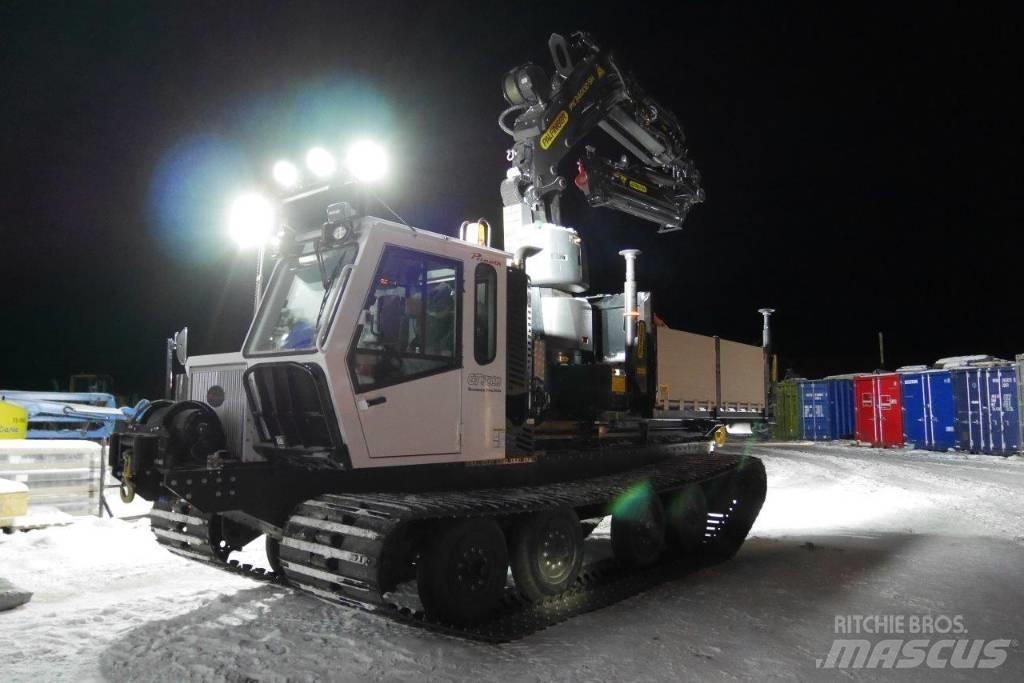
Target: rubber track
[336,547]
[369,519]
[185,531]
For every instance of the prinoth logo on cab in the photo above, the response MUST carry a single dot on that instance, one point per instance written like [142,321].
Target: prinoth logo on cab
[554,129]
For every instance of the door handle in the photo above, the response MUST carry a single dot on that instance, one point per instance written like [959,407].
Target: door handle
[376,401]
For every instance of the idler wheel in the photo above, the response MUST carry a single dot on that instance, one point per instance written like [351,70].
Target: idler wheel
[547,552]
[461,576]
[734,502]
[638,527]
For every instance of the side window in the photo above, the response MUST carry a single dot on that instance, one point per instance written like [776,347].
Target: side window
[485,314]
[410,323]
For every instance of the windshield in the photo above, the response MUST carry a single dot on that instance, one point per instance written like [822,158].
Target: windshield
[296,307]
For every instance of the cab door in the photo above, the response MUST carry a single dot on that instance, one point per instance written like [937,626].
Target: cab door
[406,360]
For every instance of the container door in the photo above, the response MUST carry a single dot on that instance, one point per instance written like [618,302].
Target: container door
[1011,410]
[914,390]
[891,415]
[941,410]
[844,409]
[814,411]
[963,412]
[806,411]
[827,423]
[864,396]
[1002,400]
[1019,369]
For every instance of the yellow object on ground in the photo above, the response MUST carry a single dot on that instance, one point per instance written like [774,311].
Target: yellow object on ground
[13,421]
[720,436]
[13,500]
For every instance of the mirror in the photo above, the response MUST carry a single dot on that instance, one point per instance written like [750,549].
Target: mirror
[181,345]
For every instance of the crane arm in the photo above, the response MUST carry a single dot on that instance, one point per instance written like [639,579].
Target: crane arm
[554,115]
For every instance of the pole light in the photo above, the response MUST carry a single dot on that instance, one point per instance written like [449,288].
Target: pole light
[366,161]
[250,224]
[766,346]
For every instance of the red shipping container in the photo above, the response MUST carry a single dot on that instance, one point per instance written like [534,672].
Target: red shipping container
[879,412]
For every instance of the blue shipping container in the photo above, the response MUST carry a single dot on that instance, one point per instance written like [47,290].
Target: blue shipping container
[928,413]
[826,409]
[987,413]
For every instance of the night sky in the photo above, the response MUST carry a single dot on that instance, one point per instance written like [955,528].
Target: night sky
[862,166]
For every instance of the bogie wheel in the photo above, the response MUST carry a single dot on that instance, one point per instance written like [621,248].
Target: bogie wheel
[687,512]
[546,552]
[461,576]
[638,528]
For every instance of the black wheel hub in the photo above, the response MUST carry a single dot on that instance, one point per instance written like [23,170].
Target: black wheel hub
[473,568]
[555,559]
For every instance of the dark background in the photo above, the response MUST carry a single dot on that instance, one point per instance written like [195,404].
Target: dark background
[861,163]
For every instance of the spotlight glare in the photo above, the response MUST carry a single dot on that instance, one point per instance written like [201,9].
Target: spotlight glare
[251,220]
[367,161]
[286,174]
[320,162]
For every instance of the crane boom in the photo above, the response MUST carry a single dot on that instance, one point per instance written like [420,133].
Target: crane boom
[554,115]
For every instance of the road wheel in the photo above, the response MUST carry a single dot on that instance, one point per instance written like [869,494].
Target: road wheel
[547,552]
[687,513]
[638,527]
[461,576]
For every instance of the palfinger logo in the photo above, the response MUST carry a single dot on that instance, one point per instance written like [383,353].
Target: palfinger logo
[557,124]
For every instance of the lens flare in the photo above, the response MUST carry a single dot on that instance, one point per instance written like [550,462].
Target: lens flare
[251,220]
[286,174]
[320,162]
[367,161]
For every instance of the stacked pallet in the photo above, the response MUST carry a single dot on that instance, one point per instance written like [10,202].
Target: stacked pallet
[59,474]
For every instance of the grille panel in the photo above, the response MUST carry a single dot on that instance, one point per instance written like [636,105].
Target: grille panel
[291,405]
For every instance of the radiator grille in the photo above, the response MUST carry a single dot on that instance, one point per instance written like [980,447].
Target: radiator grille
[221,387]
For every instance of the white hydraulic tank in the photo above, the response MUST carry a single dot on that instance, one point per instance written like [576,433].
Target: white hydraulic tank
[560,264]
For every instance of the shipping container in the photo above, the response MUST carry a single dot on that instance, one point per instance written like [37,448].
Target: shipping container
[987,411]
[787,411]
[879,418]
[826,409]
[928,412]
[1020,398]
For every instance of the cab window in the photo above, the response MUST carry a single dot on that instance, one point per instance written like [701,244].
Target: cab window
[409,326]
[485,314]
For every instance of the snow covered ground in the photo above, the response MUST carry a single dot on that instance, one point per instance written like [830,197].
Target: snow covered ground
[844,531]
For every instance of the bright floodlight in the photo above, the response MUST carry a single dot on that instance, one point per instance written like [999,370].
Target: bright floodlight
[286,174]
[367,161]
[320,162]
[251,220]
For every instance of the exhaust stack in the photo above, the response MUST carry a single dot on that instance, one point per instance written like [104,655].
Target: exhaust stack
[630,311]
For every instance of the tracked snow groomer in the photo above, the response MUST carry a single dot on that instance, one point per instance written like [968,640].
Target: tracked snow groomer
[412,407]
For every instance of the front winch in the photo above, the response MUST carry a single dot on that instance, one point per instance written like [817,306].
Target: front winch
[166,435]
